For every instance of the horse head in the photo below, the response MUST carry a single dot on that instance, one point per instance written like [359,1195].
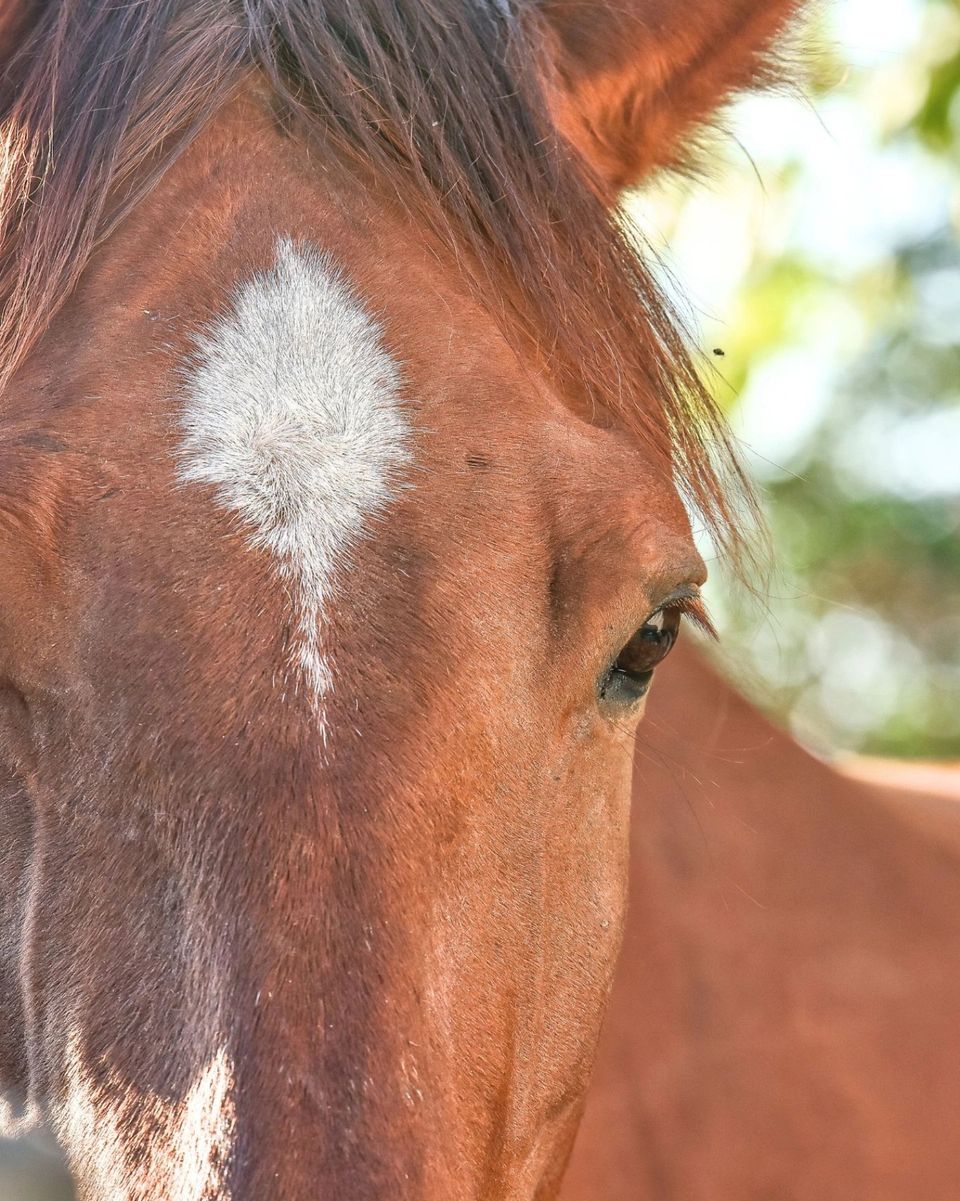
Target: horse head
[346,456]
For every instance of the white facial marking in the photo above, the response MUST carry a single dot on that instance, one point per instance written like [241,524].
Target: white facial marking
[293,413]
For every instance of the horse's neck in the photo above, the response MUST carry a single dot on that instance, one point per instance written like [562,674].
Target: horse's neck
[733,803]
[783,982]
[744,844]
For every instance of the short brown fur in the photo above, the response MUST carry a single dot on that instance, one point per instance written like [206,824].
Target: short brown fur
[783,1023]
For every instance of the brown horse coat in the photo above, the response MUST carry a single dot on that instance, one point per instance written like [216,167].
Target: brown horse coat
[785,1024]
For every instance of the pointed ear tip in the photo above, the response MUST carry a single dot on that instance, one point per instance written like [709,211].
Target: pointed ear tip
[631,113]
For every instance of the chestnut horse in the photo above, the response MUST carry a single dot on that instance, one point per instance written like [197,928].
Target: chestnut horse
[784,1020]
[346,452]
[803,1046]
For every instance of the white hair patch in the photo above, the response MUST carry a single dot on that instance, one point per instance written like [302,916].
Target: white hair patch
[293,414]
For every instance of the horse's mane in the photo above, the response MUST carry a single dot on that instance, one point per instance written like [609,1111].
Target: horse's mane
[443,100]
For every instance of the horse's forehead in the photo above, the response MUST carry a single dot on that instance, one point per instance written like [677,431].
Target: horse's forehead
[293,415]
[293,412]
[310,389]
[310,398]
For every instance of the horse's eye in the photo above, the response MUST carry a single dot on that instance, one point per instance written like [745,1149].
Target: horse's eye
[628,680]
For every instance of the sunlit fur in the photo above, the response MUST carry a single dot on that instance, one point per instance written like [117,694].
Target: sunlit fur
[188,1146]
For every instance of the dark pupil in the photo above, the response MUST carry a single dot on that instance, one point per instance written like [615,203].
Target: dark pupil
[649,646]
[630,676]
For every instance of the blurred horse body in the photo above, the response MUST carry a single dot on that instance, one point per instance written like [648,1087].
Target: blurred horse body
[784,1023]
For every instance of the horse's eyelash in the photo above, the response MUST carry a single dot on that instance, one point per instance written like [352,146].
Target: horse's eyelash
[693,608]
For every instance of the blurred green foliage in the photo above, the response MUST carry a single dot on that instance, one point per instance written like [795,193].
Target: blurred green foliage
[856,644]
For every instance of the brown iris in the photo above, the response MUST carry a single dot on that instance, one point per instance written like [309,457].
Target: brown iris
[629,678]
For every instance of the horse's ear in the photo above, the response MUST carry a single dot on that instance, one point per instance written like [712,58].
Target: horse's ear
[629,80]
